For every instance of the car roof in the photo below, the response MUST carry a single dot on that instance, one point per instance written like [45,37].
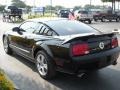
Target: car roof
[45,20]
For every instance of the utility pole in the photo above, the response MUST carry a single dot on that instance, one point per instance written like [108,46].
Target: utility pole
[6,2]
[118,5]
[90,4]
[34,7]
[51,7]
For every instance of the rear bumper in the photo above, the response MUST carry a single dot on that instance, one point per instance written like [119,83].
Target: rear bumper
[93,61]
[86,58]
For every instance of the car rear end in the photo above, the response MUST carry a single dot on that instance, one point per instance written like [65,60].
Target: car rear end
[94,52]
[83,47]
[84,16]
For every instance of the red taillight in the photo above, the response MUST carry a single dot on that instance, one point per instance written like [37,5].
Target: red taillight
[80,49]
[114,43]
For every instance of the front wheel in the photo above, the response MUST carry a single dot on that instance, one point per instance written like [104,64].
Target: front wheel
[7,49]
[45,66]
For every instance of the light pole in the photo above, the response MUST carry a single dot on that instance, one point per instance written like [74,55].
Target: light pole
[6,2]
[34,7]
[90,4]
[51,7]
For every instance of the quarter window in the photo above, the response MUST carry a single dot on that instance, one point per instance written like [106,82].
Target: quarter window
[29,27]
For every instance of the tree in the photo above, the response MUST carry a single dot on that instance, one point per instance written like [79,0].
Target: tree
[49,7]
[77,8]
[2,7]
[87,6]
[113,3]
[18,3]
[59,7]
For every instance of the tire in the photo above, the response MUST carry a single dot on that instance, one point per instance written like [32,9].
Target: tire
[7,49]
[89,21]
[103,19]
[95,20]
[44,65]
[77,18]
[110,20]
[117,19]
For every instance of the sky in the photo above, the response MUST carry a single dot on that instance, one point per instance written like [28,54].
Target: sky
[65,3]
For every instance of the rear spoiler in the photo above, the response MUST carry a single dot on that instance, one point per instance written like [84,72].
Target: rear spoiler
[86,35]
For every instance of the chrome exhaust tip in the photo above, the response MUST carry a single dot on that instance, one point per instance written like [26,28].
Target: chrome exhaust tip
[114,63]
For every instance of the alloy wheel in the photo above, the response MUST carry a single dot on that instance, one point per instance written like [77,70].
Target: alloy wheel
[42,65]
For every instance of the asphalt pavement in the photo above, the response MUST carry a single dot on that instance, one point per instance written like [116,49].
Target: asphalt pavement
[24,74]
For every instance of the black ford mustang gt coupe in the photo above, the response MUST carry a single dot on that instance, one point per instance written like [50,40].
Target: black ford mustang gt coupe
[62,45]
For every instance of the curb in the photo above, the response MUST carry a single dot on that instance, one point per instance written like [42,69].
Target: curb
[14,85]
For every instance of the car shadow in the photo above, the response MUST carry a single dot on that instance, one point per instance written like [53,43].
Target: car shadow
[105,79]
[25,61]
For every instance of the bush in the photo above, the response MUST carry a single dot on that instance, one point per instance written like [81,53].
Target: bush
[4,83]
[31,16]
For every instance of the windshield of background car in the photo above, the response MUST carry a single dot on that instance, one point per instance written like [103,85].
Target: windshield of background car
[70,27]
[64,11]
[83,12]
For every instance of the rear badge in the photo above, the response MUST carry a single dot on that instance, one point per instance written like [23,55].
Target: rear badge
[101,45]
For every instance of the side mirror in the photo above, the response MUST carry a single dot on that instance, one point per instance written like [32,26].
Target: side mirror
[16,29]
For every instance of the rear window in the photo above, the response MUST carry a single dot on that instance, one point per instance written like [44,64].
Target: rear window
[83,12]
[70,27]
[64,11]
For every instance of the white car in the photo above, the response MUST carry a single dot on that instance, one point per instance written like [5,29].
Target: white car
[83,15]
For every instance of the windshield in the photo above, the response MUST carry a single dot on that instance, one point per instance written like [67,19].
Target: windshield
[70,27]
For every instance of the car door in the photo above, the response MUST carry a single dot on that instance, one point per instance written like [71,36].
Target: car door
[23,40]
[27,38]
[18,37]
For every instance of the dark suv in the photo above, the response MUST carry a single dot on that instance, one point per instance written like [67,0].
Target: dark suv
[63,13]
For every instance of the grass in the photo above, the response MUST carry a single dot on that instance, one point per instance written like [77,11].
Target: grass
[31,16]
[5,84]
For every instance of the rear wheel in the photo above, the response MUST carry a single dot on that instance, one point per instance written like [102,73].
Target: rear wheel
[45,65]
[7,49]
[103,19]
[95,20]
[117,19]
[89,21]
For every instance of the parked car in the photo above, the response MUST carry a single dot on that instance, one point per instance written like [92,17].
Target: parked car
[103,16]
[83,16]
[12,12]
[62,45]
[64,13]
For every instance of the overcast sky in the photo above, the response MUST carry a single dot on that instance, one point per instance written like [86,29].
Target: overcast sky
[66,3]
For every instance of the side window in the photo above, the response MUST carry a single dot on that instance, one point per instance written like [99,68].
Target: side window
[29,27]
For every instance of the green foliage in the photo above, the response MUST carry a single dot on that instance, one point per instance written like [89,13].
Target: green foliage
[4,83]
[59,7]
[2,7]
[49,7]
[106,0]
[109,0]
[87,7]
[30,16]
[18,3]
[77,8]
